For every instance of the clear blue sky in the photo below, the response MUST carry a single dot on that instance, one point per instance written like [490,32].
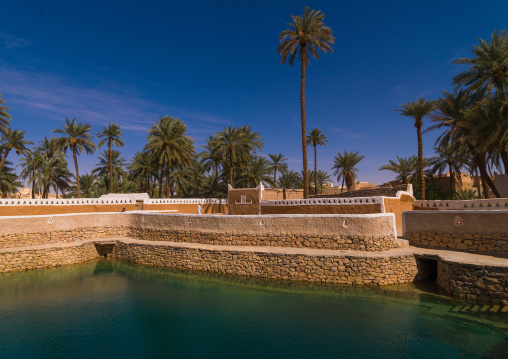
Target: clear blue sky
[215,64]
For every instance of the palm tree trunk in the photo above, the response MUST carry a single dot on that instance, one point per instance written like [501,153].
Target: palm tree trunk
[110,169]
[231,168]
[304,129]
[452,180]
[33,183]
[504,158]
[315,169]
[486,178]
[342,186]
[477,182]
[167,179]
[77,171]
[217,176]
[274,177]
[420,161]
[4,158]
[161,176]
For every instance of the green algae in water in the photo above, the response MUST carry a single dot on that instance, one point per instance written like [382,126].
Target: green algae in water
[118,310]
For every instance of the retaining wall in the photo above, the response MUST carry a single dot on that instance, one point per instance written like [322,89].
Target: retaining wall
[483,232]
[355,232]
[473,282]
[325,269]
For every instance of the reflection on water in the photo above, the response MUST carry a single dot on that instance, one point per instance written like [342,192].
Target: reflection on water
[115,309]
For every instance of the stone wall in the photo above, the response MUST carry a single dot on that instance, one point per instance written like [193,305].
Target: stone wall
[322,209]
[358,243]
[27,239]
[389,191]
[473,282]
[489,244]
[11,261]
[325,269]
[467,231]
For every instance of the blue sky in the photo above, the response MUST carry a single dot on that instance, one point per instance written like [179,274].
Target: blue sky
[215,64]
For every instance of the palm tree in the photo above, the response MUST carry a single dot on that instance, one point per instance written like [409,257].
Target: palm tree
[77,137]
[258,170]
[488,69]
[168,141]
[322,178]
[451,156]
[465,195]
[307,33]
[112,136]
[211,157]
[111,164]
[288,180]
[13,140]
[277,163]
[418,110]
[344,166]
[49,148]
[8,180]
[316,138]
[141,169]
[5,117]
[30,164]
[54,173]
[404,167]
[236,144]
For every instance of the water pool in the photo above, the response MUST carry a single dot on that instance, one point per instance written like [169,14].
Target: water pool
[112,309]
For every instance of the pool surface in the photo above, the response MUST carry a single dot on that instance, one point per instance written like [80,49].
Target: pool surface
[111,309]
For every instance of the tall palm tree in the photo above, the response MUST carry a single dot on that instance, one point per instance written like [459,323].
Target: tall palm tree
[316,138]
[13,140]
[5,117]
[418,110]
[54,173]
[488,69]
[168,141]
[451,156]
[49,148]
[112,136]
[78,138]
[307,34]
[236,144]
[345,167]
[277,163]
[30,165]
[404,167]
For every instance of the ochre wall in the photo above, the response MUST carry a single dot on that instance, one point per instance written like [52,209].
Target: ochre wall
[188,208]
[41,209]
[398,205]
[251,195]
[322,209]
[34,210]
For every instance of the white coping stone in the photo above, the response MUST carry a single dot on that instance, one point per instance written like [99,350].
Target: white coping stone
[480,204]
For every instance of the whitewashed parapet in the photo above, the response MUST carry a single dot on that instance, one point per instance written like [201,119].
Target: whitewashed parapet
[477,204]
[325,201]
[186,201]
[104,201]
[63,202]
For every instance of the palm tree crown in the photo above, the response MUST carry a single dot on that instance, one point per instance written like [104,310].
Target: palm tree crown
[78,138]
[13,140]
[307,34]
[277,163]
[5,117]
[316,138]
[418,110]
[345,167]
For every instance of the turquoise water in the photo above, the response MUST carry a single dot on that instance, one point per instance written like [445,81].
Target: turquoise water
[118,310]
